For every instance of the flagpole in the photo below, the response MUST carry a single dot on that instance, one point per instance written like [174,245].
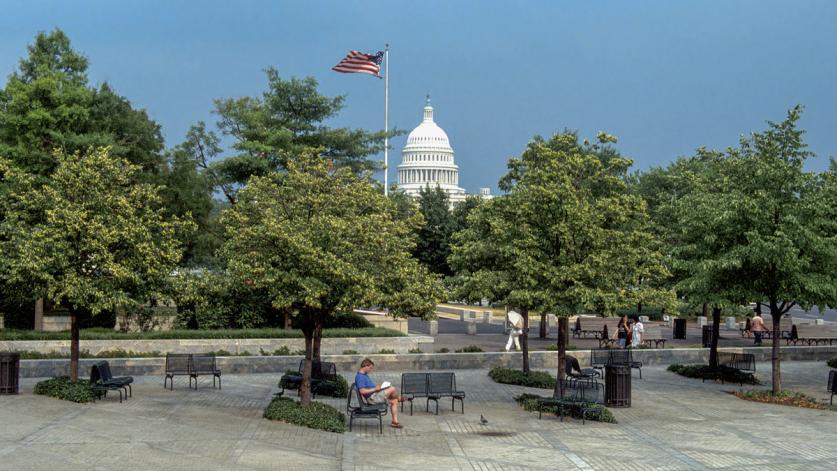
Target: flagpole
[386,121]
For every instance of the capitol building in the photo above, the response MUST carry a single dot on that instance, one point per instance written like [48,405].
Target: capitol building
[427,160]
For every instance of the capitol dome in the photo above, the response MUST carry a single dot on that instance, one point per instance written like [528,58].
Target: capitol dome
[427,160]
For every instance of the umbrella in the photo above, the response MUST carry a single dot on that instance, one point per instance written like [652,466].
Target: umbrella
[515,319]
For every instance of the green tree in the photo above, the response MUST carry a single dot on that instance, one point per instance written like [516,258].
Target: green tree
[91,238]
[286,121]
[317,240]
[433,246]
[567,235]
[759,227]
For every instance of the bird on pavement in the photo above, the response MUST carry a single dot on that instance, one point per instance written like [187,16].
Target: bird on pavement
[482,420]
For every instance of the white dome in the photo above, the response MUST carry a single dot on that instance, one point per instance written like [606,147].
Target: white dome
[428,134]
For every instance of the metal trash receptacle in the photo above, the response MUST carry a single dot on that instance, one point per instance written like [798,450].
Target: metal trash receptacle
[679,328]
[9,372]
[617,385]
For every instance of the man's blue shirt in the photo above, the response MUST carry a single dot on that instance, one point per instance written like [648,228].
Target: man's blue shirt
[363,381]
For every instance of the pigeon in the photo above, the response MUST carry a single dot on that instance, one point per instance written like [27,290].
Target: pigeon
[482,420]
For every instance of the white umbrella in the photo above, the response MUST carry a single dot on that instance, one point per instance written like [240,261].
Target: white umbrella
[515,319]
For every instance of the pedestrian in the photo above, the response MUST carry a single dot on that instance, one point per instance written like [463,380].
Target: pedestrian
[757,327]
[622,331]
[637,330]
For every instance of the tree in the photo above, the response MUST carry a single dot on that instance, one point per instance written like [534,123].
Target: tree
[91,237]
[759,227]
[566,236]
[318,239]
[285,122]
[433,247]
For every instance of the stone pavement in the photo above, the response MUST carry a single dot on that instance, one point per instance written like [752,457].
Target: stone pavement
[674,424]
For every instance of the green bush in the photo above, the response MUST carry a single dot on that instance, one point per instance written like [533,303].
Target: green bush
[469,349]
[110,334]
[386,351]
[532,379]
[832,362]
[347,320]
[727,374]
[62,388]
[318,416]
[599,413]
[415,350]
[350,352]
[442,350]
[116,353]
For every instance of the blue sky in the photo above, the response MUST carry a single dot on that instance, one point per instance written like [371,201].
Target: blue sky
[664,76]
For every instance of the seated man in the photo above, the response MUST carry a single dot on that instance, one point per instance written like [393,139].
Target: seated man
[374,394]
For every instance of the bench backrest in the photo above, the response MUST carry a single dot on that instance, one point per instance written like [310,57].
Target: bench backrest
[813,331]
[104,371]
[441,383]
[414,383]
[203,363]
[620,357]
[178,362]
[652,333]
[832,381]
[599,357]
[740,361]
[595,324]
[354,397]
[95,375]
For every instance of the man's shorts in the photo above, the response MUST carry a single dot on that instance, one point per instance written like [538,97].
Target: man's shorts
[376,398]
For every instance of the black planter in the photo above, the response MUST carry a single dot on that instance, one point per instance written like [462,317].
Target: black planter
[679,328]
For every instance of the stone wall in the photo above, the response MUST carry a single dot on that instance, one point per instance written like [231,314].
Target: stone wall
[416,362]
[330,346]
[56,323]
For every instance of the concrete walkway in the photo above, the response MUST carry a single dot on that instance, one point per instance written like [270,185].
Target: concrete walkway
[674,424]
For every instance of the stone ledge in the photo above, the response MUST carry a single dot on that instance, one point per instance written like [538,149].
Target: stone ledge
[414,362]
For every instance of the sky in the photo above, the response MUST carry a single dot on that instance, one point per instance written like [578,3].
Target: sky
[665,77]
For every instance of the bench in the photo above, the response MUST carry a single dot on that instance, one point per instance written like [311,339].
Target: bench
[653,334]
[812,334]
[743,362]
[357,407]
[576,399]
[432,386]
[785,327]
[599,358]
[191,365]
[832,384]
[323,377]
[600,327]
[102,381]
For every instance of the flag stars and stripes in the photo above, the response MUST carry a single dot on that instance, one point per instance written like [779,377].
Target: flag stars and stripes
[359,62]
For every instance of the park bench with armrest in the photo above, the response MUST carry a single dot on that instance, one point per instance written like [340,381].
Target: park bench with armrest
[323,377]
[102,381]
[813,334]
[441,385]
[413,386]
[653,334]
[177,364]
[358,408]
[743,362]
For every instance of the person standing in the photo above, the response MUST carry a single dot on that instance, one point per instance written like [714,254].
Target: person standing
[757,327]
[637,330]
[622,331]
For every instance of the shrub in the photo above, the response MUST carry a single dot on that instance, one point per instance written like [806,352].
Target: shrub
[350,352]
[532,379]
[727,374]
[442,350]
[387,351]
[469,349]
[415,350]
[62,388]
[347,320]
[110,334]
[318,416]
[832,362]
[787,398]
[599,413]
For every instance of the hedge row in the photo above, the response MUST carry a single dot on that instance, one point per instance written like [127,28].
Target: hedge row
[729,375]
[318,416]
[108,334]
[532,379]
[62,388]
[596,412]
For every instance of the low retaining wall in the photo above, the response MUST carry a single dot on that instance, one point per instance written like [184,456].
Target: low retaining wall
[329,346]
[416,362]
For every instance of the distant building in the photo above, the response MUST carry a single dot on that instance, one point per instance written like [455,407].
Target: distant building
[427,160]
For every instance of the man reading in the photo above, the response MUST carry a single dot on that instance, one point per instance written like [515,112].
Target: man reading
[375,394]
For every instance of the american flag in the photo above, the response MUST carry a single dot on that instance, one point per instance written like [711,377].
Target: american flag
[361,63]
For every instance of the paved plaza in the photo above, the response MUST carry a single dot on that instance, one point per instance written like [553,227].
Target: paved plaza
[674,424]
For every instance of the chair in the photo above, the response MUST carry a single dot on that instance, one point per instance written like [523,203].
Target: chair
[444,385]
[100,387]
[107,377]
[573,369]
[364,410]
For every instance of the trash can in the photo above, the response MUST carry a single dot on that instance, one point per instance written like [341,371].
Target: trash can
[706,337]
[617,385]
[680,328]
[9,372]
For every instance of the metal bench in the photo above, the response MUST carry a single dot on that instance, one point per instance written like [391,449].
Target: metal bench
[204,364]
[177,364]
[102,381]
[743,362]
[655,335]
[812,334]
[357,407]
[414,385]
[441,385]
[625,357]
[577,398]
[323,376]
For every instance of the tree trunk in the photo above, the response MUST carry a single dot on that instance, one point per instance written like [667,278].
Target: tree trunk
[758,308]
[286,319]
[563,329]
[39,314]
[713,345]
[74,338]
[305,387]
[777,374]
[318,338]
[524,339]
[542,327]
[705,310]
[638,307]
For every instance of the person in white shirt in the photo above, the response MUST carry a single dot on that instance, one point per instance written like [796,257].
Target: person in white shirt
[637,331]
